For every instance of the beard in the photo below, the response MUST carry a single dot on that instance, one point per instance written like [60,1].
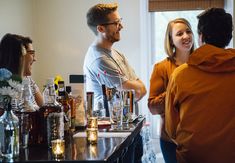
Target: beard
[113,37]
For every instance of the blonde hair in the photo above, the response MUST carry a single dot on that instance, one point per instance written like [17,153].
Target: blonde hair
[169,46]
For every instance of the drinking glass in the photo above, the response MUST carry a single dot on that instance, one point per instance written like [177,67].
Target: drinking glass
[58,148]
[126,106]
[116,110]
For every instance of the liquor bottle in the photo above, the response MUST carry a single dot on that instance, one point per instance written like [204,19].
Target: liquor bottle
[63,100]
[27,116]
[77,83]
[72,104]
[9,137]
[51,116]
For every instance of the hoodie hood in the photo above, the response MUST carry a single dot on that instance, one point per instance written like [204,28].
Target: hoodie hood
[213,59]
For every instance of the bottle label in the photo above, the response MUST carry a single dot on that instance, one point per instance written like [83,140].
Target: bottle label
[55,126]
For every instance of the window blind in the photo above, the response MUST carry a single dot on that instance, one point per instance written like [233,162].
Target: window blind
[180,5]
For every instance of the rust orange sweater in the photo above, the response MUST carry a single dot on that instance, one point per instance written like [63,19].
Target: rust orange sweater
[158,84]
[200,107]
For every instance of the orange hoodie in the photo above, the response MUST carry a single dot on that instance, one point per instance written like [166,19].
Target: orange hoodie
[200,107]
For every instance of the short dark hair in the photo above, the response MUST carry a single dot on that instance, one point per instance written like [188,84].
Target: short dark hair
[216,27]
[27,41]
[97,15]
[11,52]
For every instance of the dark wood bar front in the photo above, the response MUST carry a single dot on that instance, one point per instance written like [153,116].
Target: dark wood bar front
[127,147]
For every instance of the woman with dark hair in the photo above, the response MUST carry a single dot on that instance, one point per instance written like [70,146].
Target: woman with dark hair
[17,55]
[12,51]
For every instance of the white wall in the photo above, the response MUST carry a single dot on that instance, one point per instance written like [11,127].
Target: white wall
[62,36]
[16,17]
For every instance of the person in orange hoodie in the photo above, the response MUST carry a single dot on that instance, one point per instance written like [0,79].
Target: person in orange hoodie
[179,44]
[200,104]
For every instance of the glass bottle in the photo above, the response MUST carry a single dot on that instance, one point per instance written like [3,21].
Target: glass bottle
[72,104]
[63,100]
[51,115]
[9,137]
[27,116]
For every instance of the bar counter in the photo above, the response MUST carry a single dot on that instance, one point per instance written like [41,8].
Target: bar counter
[126,148]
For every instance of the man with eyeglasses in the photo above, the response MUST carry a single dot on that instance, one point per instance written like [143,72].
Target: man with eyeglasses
[103,64]
[29,59]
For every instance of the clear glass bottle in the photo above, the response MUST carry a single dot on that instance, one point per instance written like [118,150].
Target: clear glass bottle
[27,116]
[51,115]
[9,137]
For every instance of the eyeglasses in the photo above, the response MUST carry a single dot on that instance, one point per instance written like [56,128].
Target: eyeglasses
[32,52]
[117,23]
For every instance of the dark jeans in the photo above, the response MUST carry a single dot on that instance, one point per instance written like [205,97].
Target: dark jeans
[168,151]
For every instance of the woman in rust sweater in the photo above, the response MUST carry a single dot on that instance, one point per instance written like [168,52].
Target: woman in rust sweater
[179,45]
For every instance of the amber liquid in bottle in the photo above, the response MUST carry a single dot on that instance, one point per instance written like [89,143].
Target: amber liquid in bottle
[64,101]
[51,116]
[72,104]
[52,123]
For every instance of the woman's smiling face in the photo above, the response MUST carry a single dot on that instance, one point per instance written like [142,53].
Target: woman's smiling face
[182,37]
